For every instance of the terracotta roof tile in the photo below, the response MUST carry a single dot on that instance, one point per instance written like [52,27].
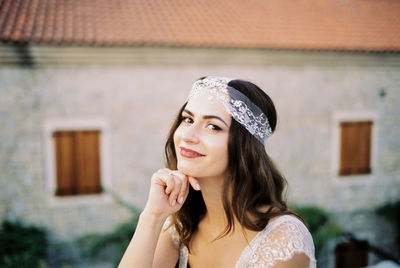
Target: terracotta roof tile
[365,25]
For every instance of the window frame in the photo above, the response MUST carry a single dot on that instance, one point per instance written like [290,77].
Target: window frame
[359,116]
[52,125]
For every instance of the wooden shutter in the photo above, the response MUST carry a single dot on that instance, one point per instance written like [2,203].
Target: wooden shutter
[77,162]
[88,162]
[355,149]
[65,162]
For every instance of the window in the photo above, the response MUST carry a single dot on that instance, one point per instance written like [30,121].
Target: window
[355,148]
[77,162]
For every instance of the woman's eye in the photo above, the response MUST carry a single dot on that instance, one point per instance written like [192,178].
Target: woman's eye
[189,120]
[213,127]
[186,119]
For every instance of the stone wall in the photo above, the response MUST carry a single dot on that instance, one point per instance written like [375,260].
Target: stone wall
[139,102]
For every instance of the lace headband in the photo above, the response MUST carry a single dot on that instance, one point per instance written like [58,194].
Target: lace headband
[235,103]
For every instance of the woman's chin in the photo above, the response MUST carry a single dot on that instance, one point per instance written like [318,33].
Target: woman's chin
[189,171]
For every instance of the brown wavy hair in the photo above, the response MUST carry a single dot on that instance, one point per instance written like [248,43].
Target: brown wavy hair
[253,180]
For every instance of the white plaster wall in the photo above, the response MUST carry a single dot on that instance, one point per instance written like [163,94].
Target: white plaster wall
[139,103]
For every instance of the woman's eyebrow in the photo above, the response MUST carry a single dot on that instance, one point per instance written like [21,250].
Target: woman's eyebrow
[207,116]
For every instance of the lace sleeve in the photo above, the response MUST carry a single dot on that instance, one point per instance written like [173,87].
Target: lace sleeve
[170,228]
[280,241]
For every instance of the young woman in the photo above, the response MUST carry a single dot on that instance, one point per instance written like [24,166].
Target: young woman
[220,201]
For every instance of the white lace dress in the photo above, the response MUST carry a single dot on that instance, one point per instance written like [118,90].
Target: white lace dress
[280,240]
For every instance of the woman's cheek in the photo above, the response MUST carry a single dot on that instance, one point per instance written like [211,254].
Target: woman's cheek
[177,135]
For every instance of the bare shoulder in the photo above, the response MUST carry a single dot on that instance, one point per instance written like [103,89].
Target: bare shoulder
[298,261]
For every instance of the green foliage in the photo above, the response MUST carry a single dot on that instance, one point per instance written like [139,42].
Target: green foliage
[116,241]
[326,232]
[321,227]
[111,245]
[391,211]
[43,264]
[21,246]
[315,217]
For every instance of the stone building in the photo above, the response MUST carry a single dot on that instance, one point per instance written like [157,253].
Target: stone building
[71,70]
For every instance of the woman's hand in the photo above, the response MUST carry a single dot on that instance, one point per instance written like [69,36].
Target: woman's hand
[168,192]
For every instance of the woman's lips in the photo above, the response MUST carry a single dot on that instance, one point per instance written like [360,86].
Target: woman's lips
[189,153]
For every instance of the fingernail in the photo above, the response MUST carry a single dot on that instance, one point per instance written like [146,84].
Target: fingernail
[173,203]
[197,186]
[180,200]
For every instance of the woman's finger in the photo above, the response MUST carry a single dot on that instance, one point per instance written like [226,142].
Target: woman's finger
[184,188]
[160,177]
[170,184]
[173,197]
[195,183]
[182,193]
[185,192]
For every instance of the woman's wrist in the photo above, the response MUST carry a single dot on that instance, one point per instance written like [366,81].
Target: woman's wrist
[153,217]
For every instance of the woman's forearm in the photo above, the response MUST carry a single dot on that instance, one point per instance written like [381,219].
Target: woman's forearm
[140,252]
[168,191]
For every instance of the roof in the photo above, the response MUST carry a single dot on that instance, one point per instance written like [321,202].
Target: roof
[356,25]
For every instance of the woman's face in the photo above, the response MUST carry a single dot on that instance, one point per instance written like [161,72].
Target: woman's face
[201,140]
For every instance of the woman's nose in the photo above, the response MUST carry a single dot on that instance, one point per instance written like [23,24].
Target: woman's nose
[190,134]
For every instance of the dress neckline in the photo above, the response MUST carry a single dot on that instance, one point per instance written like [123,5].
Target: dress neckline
[248,249]
[253,242]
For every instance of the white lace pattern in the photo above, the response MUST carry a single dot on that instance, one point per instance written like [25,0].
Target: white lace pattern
[235,103]
[280,240]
